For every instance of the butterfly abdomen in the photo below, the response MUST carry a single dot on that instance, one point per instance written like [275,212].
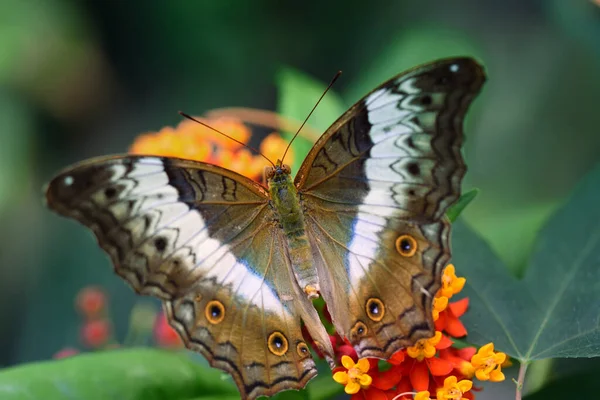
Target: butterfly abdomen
[291,219]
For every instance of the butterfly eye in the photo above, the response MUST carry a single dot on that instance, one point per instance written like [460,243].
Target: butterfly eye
[375,309]
[359,329]
[406,245]
[277,343]
[214,312]
[302,349]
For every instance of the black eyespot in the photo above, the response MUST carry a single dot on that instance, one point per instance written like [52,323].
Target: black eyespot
[110,192]
[160,243]
[406,245]
[302,349]
[426,100]
[413,169]
[375,309]
[214,312]
[359,329]
[277,343]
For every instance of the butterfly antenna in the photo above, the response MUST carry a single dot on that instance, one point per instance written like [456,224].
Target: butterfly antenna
[335,77]
[227,136]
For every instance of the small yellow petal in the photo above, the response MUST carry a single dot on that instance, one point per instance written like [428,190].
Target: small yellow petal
[352,387]
[429,351]
[486,349]
[365,380]
[497,376]
[341,377]
[363,365]
[465,385]
[424,395]
[499,358]
[413,352]
[435,339]
[477,360]
[450,381]
[482,375]
[347,362]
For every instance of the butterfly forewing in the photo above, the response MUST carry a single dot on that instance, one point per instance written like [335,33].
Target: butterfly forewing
[376,186]
[204,240]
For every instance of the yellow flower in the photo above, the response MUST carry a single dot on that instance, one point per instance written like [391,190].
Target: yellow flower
[451,284]
[424,348]
[467,369]
[452,389]
[424,395]
[488,364]
[356,377]
[439,304]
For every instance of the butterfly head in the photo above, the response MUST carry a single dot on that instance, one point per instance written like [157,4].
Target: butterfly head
[277,173]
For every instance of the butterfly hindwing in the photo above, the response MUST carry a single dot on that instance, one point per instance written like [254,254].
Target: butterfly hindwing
[205,241]
[375,188]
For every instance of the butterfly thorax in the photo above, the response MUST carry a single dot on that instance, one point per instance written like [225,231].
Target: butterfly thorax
[285,201]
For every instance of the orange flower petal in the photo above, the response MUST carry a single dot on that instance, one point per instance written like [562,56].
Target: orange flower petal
[387,379]
[455,328]
[458,308]
[419,376]
[439,367]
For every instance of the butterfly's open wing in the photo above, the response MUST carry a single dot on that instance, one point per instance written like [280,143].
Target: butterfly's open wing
[376,187]
[204,240]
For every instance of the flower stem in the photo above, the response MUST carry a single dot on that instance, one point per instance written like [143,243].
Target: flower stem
[521,380]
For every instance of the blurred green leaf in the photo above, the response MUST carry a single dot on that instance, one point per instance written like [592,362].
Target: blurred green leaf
[457,208]
[147,374]
[407,50]
[569,387]
[298,93]
[553,311]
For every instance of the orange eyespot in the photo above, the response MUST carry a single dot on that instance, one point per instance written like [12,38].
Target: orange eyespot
[375,309]
[214,312]
[406,245]
[302,349]
[277,343]
[359,329]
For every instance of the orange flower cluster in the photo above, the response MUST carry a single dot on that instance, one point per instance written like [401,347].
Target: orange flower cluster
[432,367]
[193,141]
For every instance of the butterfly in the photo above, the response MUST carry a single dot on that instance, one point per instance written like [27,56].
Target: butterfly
[236,263]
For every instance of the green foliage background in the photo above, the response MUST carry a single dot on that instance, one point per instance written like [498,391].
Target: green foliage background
[79,79]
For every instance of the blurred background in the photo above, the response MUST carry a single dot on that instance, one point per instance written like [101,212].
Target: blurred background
[84,78]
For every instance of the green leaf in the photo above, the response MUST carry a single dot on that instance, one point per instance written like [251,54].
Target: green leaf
[298,93]
[457,208]
[569,387]
[553,311]
[147,374]
[408,49]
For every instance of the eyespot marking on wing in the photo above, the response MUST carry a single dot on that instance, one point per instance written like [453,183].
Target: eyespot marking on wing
[375,309]
[406,245]
[214,312]
[277,343]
